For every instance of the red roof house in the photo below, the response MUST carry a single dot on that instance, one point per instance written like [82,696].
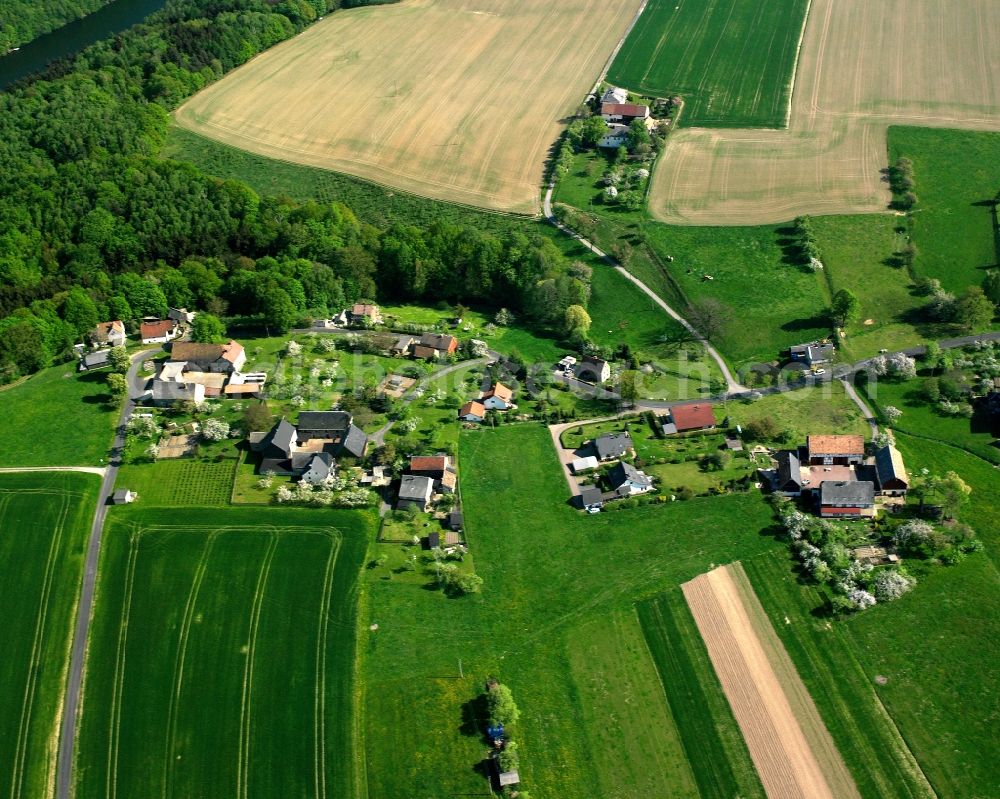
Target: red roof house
[700,416]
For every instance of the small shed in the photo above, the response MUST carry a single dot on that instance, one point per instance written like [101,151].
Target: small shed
[122,496]
[433,540]
[509,778]
[584,464]
[455,521]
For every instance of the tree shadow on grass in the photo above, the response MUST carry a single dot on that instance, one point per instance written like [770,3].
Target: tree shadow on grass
[475,714]
[819,321]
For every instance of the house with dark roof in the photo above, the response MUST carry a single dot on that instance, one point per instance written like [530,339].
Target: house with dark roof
[846,499]
[319,466]
[414,491]
[159,331]
[455,521]
[591,497]
[592,369]
[699,416]
[626,480]
[830,450]
[890,472]
[222,358]
[276,447]
[613,445]
[812,353]
[788,478]
[95,360]
[435,345]
[122,496]
[322,424]
[167,392]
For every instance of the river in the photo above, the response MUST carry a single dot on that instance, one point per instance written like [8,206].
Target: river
[74,37]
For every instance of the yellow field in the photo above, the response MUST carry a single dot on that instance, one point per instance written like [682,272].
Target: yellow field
[864,64]
[452,99]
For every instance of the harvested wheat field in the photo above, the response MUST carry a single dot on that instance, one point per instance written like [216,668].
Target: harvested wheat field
[864,64]
[451,99]
[788,742]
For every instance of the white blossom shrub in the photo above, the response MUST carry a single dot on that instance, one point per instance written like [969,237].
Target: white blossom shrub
[892,413]
[902,365]
[285,494]
[215,430]
[862,599]
[890,584]
[913,533]
[293,349]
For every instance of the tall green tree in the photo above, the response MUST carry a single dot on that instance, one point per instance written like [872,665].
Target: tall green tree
[973,310]
[845,308]
[207,328]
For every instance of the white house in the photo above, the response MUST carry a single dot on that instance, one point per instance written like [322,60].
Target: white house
[584,464]
[498,398]
[159,331]
[472,411]
[108,334]
[617,136]
[615,95]
[626,480]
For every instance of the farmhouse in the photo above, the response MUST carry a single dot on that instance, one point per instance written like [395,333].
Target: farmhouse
[614,95]
[626,480]
[833,449]
[593,369]
[335,428]
[617,136]
[472,411]
[699,416]
[613,445]
[95,360]
[435,345]
[401,346]
[846,500]
[158,332]
[181,316]
[319,466]
[167,392]
[414,491]
[812,353]
[623,112]
[288,450]
[498,398]
[221,358]
[438,468]
[364,315]
[108,334]
[890,472]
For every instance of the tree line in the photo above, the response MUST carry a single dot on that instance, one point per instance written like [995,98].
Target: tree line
[94,225]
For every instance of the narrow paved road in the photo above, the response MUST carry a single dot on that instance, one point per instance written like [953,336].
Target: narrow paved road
[863,406]
[733,386]
[71,703]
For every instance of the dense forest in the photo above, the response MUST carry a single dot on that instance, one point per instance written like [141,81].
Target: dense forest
[94,225]
[24,20]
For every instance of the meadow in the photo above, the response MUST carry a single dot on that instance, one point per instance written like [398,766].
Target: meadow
[222,655]
[863,66]
[733,61]
[438,99]
[815,410]
[551,574]
[56,417]
[45,520]
[954,227]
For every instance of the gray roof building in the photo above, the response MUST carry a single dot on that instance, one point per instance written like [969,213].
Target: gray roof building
[591,497]
[355,442]
[95,360]
[612,445]
[319,467]
[323,424]
[414,490]
[844,494]
[789,473]
[626,479]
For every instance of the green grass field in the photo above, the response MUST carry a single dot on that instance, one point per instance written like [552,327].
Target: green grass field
[709,734]
[45,520]
[188,481]
[731,60]
[921,418]
[938,646]
[954,224]
[222,656]
[56,418]
[815,410]
[550,575]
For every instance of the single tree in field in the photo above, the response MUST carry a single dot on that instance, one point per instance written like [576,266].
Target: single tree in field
[503,710]
[846,308]
[974,310]
[628,388]
[710,317]
[207,328]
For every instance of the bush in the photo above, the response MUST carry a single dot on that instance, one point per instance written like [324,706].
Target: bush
[502,707]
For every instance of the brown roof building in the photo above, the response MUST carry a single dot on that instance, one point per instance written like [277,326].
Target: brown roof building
[834,449]
[693,417]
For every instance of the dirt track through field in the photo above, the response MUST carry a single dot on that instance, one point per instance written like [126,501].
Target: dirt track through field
[456,100]
[788,742]
[864,65]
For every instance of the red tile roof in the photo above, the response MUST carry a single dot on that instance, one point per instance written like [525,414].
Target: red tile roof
[692,417]
[624,109]
[473,407]
[428,463]
[157,329]
[835,445]
[499,390]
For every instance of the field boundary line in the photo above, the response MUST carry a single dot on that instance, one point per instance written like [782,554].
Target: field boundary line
[111,788]
[319,706]
[795,64]
[618,47]
[182,637]
[34,666]
[243,762]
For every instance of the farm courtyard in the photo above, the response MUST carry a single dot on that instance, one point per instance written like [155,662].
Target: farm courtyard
[448,99]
